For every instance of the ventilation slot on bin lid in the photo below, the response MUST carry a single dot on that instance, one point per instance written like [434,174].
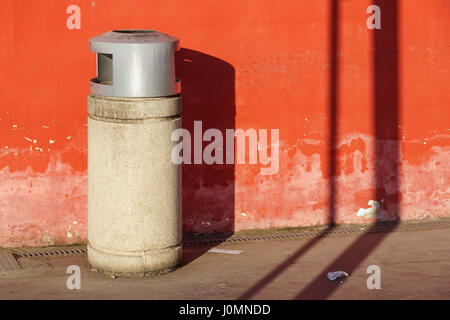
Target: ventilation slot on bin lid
[135,63]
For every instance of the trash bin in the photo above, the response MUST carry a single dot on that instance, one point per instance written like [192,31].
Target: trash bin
[134,188]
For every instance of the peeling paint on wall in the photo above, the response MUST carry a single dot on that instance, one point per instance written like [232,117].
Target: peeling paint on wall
[273,82]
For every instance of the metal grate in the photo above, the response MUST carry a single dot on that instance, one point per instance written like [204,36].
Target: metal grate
[51,252]
[339,230]
[276,235]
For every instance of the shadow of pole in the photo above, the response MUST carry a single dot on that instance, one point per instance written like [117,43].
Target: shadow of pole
[386,119]
[386,113]
[332,143]
[333,111]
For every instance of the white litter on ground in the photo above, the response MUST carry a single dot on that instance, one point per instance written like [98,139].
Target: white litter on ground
[225,251]
[336,275]
[370,212]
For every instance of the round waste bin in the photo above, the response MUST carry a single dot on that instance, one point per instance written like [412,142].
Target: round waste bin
[134,188]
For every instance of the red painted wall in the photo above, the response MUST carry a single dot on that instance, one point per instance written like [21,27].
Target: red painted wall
[363,114]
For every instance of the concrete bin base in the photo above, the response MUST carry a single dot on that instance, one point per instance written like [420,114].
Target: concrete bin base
[135,264]
[134,188]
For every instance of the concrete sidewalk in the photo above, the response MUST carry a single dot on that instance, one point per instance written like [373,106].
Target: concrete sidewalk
[414,265]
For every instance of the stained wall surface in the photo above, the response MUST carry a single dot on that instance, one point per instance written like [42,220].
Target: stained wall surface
[362,114]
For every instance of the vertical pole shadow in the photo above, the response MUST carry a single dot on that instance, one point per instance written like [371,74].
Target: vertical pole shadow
[332,145]
[386,118]
[333,110]
[208,95]
[386,114]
